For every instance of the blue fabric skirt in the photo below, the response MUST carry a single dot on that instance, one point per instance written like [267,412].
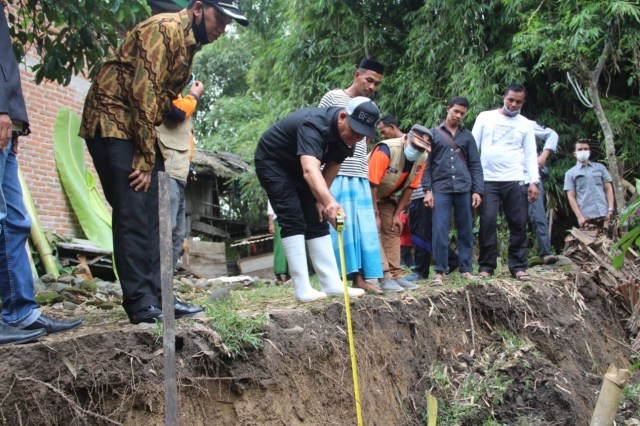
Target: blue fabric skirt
[360,235]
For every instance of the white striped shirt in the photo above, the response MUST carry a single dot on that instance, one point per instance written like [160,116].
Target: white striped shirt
[356,166]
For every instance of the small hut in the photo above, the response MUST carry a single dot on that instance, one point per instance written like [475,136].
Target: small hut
[211,200]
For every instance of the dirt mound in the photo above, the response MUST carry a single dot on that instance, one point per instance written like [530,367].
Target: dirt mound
[495,351]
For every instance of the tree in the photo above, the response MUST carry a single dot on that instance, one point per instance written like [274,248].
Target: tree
[599,43]
[70,36]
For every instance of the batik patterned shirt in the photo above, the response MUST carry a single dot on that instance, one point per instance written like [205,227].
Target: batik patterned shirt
[133,91]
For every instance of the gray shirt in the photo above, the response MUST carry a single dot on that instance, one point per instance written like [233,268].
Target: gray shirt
[588,183]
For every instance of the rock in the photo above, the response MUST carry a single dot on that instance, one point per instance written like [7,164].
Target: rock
[293,330]
[39,286]
[69,306]
[563,260]
[201,283]
[48,298]
[48,278]
[77,281]
[186,281]
[89,286]
[60,287]
[66,279]
[219,294]
[104,305]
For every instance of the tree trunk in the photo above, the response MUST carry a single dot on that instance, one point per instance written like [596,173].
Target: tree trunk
[609,144]
[594,93]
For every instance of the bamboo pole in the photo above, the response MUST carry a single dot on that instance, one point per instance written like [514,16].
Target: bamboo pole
[612,386]
[37,233]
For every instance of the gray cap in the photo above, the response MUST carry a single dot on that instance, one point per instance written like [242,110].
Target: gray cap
[418,132]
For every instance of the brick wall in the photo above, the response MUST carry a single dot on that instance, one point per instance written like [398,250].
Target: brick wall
[36,156]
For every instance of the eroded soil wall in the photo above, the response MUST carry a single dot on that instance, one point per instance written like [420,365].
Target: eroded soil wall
[568,333]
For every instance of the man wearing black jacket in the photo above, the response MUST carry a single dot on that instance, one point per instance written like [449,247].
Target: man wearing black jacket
[453,179]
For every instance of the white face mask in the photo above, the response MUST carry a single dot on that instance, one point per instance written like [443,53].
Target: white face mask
[411,153]
[510,113]
[583,155]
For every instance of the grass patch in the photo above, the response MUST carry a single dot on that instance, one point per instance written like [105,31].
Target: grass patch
[630,397]
[238,332]
[465,396]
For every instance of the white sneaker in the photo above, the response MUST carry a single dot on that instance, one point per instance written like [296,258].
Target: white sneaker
[389,285]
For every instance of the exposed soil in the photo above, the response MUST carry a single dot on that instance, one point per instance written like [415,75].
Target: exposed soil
[534,353]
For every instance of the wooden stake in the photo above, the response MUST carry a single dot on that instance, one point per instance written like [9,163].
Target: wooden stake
[168,318]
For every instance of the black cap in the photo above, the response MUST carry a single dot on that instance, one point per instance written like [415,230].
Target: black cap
[363,115]
[370,64]
[229,8]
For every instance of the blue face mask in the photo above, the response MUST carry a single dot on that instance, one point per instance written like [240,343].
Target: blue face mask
[411,153]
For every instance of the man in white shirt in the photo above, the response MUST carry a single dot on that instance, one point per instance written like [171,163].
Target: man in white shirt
[506,142]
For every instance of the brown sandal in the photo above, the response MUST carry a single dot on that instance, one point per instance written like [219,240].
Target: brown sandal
[437,280]
[368,287]
[521,276]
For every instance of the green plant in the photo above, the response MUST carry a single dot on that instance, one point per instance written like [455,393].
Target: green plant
[632,236]
[237,332]
[631,394]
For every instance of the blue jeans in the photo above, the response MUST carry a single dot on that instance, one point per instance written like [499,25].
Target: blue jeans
[538,218]
[461,203]
[19,307]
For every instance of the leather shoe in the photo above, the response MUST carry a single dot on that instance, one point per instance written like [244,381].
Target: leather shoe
[10,334]
[182,309]
[150,314]
[51,325]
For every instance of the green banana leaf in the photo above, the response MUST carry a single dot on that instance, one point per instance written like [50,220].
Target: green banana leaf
[78,182]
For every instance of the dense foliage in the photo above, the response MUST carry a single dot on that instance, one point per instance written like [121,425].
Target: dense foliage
[434,49]
[70,35]
[294,51]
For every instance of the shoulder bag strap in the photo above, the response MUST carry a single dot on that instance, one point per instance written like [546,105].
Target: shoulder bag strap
[452,144]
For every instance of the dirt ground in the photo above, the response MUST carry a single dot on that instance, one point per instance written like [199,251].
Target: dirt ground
[493,352]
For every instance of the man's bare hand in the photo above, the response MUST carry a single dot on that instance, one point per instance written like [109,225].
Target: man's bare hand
[476,200]
[331,211]
[581,221]
[197,88]
[396,223]
[140,179]
[532,192]
[6,127]
[428,200]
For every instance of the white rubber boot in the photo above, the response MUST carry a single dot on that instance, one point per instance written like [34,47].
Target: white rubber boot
[297,259]
[324,262]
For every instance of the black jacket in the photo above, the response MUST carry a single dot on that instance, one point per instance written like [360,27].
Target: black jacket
[446,171]
[11,99]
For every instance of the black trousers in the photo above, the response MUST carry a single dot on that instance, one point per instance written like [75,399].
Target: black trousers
[135,221]
[420,221]
[291,199]
[513,197]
